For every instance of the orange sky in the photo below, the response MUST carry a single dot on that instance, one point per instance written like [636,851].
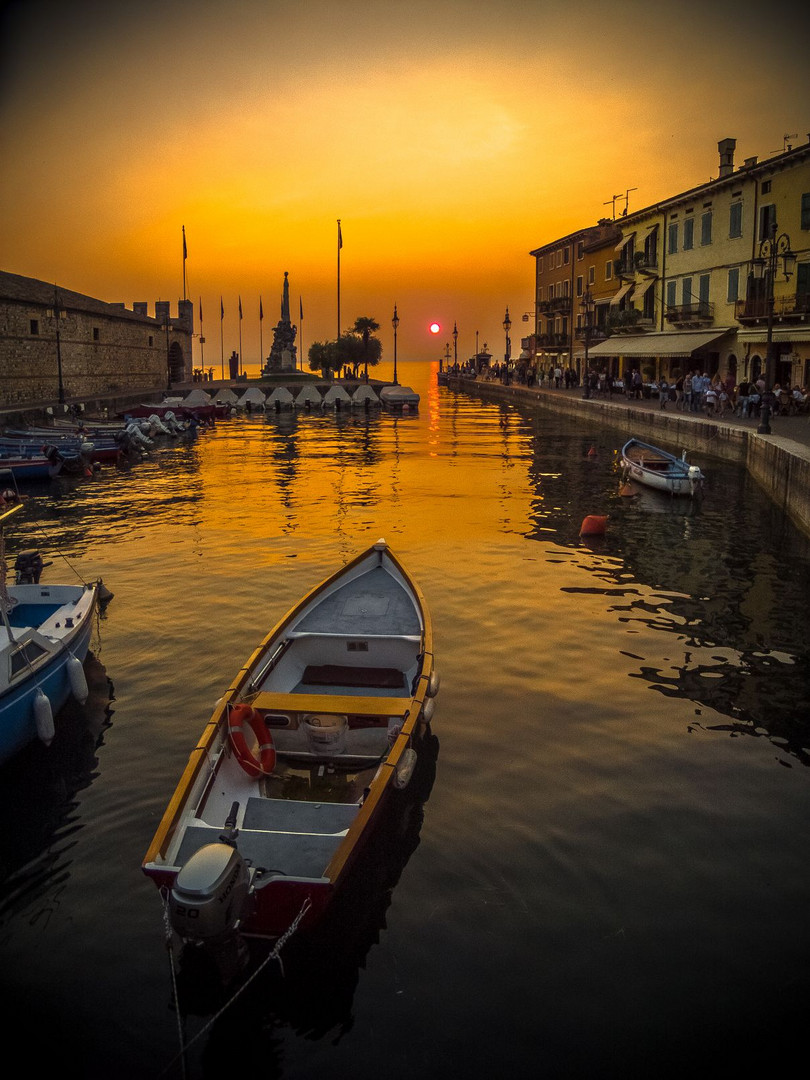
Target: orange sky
[449,137]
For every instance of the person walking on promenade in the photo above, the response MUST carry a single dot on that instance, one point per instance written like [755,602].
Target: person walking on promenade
[686,404]
[663,394]
[741,405]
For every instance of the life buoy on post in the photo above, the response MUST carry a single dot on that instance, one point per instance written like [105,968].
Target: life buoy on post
[238,716]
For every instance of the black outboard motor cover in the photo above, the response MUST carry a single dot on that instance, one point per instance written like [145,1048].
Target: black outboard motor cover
[210,894]
[28,567]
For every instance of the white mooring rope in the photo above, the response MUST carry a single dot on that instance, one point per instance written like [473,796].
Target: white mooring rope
[275,954]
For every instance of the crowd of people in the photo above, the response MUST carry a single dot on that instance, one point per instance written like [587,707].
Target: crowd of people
[694,392]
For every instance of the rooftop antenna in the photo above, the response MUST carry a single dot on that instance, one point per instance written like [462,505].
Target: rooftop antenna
[785,142]
[627,200]
[612,202]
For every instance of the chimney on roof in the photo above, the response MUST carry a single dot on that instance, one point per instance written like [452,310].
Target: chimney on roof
[726,148]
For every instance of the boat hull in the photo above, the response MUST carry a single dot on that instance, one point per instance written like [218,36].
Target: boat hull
[658,469]
[18,726]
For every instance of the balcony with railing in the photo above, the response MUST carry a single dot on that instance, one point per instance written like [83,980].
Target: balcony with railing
[694,315]
[754,309]
[558,303]
[646,261]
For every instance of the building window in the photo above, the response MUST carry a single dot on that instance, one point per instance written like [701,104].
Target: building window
[649,303]
[566,288]
[733,292]
[580,251]
[766,187]
[703,293]
[686,291]
[672,238]
[735,220]
[566,256]
[151,341]
[672,293]
[806,210]
[559,258]
[767,220]
[95,333]
[579,285]
[591,274]
[540,265]
[35,326]
[688,233]
[706,228]
[608,270]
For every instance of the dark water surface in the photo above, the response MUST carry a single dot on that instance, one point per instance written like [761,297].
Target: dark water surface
[603,870]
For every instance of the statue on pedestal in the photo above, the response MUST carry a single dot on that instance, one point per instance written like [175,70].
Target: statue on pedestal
[283,351]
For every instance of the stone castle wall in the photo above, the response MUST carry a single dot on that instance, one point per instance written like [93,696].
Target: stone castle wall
[104,348]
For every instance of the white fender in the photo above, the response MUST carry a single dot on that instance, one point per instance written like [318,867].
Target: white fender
[434,682]
[428,710]
[43,715]
[78,681]
[404,769]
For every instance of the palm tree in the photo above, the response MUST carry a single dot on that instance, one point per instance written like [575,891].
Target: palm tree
[365,326]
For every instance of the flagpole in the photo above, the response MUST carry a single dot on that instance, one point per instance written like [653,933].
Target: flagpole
[240,335]
[301,331]
[185,256]
[261,349]
[340,245]
[221,336]
[202,340]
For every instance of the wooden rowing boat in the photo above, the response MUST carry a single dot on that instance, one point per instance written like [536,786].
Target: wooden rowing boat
[659,469]
[317,729]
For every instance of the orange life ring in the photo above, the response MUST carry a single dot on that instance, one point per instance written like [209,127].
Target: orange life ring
[238,716]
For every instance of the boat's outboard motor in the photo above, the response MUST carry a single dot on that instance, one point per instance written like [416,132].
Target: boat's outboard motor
[695,476]
[211,893]
[28,567]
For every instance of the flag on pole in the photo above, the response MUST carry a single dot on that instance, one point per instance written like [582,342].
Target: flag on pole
[240,307]
[221,310]
[261,312]
[200,310]
[185,249]
[300,310]
[340,236]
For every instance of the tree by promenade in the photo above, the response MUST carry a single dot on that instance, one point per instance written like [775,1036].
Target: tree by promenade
[355,348]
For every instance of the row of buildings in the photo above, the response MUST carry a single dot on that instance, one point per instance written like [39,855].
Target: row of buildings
[716,278]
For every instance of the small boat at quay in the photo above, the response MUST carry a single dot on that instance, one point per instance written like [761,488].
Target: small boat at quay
[44,637]
[399,397]
[313,735]
[14,469]
[659,469]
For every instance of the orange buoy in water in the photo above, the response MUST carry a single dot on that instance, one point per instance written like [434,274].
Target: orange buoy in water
[593,525]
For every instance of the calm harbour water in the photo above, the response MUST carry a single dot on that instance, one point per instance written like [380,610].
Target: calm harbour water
[604,872]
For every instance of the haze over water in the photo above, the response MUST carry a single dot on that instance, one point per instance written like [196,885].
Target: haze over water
[610,877]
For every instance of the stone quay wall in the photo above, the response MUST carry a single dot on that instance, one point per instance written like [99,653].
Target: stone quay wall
[780,466]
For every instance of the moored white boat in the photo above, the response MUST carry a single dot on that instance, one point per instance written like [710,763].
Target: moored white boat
[399,396]
[44,637]
[337,697]
[659,469]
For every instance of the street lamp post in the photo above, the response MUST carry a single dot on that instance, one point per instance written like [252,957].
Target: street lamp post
[771,250]
[475,362]
[395,324]
[455,345]
[507,326]
[58,313]
[168,356]
[587,307]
